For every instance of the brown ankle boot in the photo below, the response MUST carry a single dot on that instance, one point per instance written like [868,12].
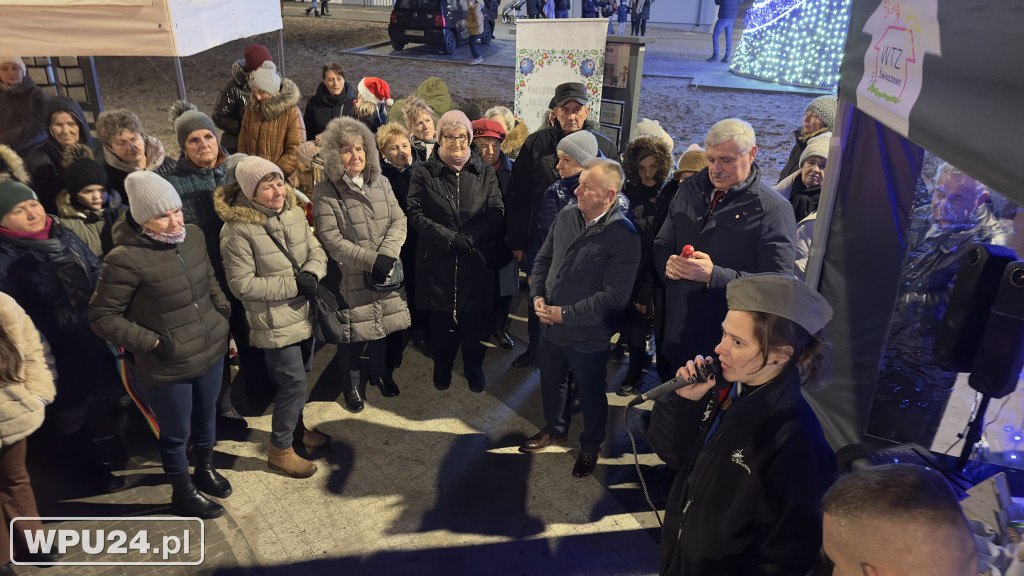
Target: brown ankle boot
[290,463]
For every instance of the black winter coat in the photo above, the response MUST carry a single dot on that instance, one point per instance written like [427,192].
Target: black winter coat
[589,272]
[443,203]
[230,107]
[727,9]
[322,108]
[532,173]
[400,180]
[751,231]
[22,121]
[150,290]
[642,200]
[747,501]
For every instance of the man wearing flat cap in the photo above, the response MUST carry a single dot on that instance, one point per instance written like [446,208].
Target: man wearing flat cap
[534,170]
[737,226]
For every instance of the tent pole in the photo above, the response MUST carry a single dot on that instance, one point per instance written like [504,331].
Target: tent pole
[180,78]
[280,50]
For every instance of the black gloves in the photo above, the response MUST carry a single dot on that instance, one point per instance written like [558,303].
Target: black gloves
[165,348]
[382,267]
[306,283]
[460,244]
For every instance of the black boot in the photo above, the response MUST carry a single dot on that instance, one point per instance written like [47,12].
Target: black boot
[187,501]
[353,392]
[323,9]
[206,478]
[503,338]
[387,385]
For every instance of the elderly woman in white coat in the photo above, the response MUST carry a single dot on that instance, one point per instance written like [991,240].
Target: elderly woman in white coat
[361,225]
[262,222]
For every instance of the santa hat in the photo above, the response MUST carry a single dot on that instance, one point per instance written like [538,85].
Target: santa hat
[374,90]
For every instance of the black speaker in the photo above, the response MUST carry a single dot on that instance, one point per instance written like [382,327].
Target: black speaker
[1000,356]
[974,291]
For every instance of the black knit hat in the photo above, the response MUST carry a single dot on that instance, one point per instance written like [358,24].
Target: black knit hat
[84,172]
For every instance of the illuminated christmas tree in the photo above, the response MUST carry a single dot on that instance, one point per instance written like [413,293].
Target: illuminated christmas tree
[796,42]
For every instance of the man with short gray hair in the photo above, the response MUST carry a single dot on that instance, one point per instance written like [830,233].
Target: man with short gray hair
[582,280]
[736,224]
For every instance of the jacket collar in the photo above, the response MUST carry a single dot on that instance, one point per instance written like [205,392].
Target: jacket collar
[154,156]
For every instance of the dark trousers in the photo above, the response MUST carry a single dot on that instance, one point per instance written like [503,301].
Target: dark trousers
[723,26]
[182,409]
[472,45]
[590,372]
[259,389]
[634,331]
[287,367]
[16,498]
[532,328]
[371,357]
[446,336]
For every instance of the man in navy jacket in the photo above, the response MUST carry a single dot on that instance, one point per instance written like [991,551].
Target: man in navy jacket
[582,280]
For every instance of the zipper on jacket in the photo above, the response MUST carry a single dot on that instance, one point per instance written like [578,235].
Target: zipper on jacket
[455,284]
[195,300]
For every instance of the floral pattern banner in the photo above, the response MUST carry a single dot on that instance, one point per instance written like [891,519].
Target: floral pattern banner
[552,52]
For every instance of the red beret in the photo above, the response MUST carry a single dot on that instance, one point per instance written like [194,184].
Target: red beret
[488,129]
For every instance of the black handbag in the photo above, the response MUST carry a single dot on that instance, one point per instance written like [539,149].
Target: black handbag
[326,326]
[395,279]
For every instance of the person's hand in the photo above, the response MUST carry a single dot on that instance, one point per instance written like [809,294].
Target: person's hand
[697,268]
[539,304]
[547,314]
[695,390]
[382,267]
[519,256]
[640,308]
[305,282]
[164,348]
[460,244]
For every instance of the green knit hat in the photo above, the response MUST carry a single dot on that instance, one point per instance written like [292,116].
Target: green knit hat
[13,193]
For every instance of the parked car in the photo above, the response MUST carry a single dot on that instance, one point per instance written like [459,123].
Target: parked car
[441,22]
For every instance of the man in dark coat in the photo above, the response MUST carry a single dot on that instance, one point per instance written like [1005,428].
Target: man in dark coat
[582,279]
[736,224]
[534,171]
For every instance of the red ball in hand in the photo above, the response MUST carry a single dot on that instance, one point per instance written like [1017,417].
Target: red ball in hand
[687,251]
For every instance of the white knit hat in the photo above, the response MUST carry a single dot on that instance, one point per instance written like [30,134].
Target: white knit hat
[817,146]
[18,61]
[265,78]
[251,170]
[149,195]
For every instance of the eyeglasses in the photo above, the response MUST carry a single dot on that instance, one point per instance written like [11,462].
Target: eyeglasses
[460,139]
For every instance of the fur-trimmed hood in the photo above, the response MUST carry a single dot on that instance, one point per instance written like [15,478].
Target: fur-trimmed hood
[12,167]
[339,130]
[515,137]
[232,206]
[279,103]
[640,148]
[69,211]
[238,74]
[154,156]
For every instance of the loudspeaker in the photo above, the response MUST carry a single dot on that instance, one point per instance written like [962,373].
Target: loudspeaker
[974,291]
[1000,356]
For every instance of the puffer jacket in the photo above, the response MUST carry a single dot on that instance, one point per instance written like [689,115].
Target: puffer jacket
[150,290]
[231,105]
[322,108]
[22,402]
[475,17]
[94,227]
[273,129]
[118,170]
[48,159]
[378,226]
[443,203]
[195,185]
[22,115]
[259,274]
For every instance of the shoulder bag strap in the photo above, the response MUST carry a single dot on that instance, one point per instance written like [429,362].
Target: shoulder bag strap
[283,250]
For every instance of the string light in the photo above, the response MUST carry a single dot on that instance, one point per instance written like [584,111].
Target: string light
[795,42]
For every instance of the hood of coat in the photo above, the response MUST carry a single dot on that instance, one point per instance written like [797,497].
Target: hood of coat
[71,106]
[15,166]
[642,147]
[238,74]
[232,206]
[515,137]
[338,132]
[72,211]
[279,103]
[154,156]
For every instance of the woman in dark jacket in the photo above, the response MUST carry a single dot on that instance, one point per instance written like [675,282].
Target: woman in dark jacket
[455,207]
[22,107]
[158,298]
[753,462]
[66,127]
[334,98]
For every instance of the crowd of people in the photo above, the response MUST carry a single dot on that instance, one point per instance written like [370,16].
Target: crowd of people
[420,218]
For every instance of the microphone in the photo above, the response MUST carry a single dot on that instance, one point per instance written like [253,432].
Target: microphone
[710,367]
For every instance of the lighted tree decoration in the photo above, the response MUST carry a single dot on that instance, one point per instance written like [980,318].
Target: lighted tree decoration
[796,42]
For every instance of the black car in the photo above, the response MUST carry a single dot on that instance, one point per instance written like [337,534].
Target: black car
[440,22]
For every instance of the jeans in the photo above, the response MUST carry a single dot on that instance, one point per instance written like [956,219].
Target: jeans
[287,367]
[472,45]
[182,409]
[590,372]
[561,13]
[723,26]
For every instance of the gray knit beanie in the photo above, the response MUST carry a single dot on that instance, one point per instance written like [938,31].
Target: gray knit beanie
[824,107]
[251,170]
[265,78]
[817,146]
[187,119]
[580,146]
[149,195]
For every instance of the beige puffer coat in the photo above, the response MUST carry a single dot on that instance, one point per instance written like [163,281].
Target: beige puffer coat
[379,226]
[273,129]
[21,410]
[259,274]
